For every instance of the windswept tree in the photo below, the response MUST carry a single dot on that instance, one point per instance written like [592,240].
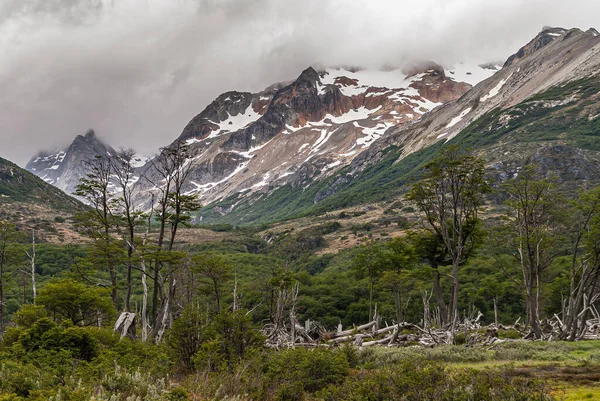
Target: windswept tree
[534,206]
[170,174]
[98,222]
[449,195]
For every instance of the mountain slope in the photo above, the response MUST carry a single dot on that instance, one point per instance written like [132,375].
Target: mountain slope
[20,186]
[32,204]
[290,133]
[540,108]
[65,167]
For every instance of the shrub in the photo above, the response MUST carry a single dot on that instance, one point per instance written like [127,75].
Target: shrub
[289,373]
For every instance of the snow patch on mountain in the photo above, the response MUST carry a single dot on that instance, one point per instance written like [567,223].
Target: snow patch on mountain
[458,118]
[472,73]
[496,89]
[235,123]
[367,78]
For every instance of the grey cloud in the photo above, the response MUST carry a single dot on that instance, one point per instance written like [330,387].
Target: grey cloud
[137,70]
[65,11]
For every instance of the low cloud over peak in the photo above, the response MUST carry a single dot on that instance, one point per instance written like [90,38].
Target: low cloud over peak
[137,70]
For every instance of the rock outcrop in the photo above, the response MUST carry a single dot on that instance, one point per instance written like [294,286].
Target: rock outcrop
[65,167]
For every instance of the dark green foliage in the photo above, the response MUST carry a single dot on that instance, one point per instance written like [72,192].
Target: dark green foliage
[52,260]
[234,335]
[45,335]
[187,335]
[82,305]
[430,381]
[290,373]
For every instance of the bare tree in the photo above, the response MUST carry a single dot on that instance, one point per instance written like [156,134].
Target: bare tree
[124,175]
[31,272]
[173,166]
[584,283]
[533,206]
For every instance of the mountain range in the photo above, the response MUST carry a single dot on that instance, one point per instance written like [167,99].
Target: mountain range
[336,137]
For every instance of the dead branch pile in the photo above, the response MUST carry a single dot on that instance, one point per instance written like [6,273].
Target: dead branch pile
[285,333]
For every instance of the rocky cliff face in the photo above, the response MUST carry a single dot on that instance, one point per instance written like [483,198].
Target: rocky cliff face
[290,133]
[65,167]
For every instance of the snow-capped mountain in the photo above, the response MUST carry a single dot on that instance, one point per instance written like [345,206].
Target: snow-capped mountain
[554,57]
[336,122]
[65,167]
[315,125]
[542,107]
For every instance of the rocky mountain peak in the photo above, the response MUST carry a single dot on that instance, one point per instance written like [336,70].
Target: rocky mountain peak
[542,39]
[308,78]
[65,167]
[314,125]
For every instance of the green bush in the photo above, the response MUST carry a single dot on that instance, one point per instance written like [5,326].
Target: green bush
[291,372]
[45,335]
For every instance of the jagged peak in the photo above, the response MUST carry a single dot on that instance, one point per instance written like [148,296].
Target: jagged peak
[552,29]
[309,75]
[89,136]
[541,40]
[231,96]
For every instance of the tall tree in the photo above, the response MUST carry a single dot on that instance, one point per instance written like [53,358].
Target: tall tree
[370,261]
[214,271]
[173,166]
[450,194]
[431,249]
[401,256]
[98,222]
[534,205]
[124,174]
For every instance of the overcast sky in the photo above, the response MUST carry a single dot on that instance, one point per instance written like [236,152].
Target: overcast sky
[137,71]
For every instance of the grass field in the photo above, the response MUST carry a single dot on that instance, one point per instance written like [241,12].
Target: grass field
[572,370]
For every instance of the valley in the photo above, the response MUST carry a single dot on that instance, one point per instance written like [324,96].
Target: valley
[423,232]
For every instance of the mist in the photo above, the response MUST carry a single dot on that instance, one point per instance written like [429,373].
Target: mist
[136,71]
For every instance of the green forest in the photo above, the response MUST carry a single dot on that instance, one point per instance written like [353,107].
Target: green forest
[487,290]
